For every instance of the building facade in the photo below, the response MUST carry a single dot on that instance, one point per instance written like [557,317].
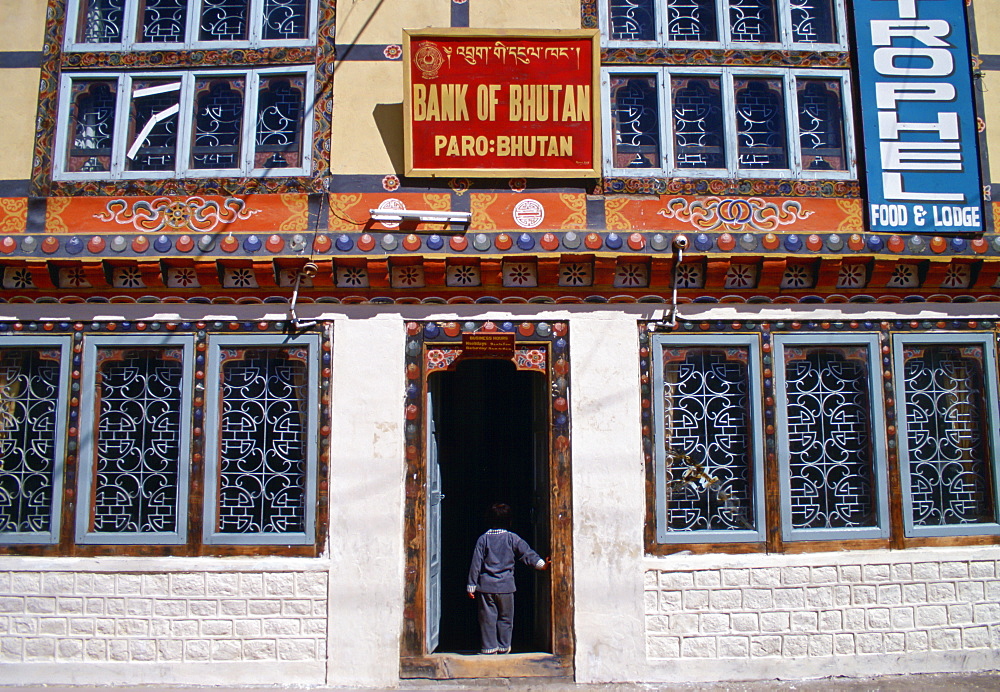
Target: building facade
[735,369]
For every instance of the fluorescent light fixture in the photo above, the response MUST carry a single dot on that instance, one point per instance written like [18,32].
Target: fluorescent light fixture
[398,215]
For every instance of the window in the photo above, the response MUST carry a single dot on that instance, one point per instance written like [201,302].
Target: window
[127,25]
[724,122]
[708,457]
[136,441]
[864,434]
[173,438]
[261,471]
[181,89]
[831,441]
[33,373]
[187,124]
[950,439]
[800,24]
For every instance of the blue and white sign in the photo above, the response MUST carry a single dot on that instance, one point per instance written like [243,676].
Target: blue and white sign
[921,145]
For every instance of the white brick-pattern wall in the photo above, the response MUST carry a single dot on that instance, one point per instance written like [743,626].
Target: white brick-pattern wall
[53,615]
[762,608]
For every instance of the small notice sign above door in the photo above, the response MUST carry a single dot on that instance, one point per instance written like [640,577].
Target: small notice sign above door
[489,345]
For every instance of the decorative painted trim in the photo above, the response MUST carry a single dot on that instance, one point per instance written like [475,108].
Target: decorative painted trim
[708,57]
[723,186]
[225,57]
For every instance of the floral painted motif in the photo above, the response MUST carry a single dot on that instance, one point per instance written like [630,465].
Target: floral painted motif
[441,358]
[632,275]
[797,276]
[298,217]
[352,277]
[411,276]
[520,275]
[957,276]
[463,275]
[530,359]
[576,274]
[390,183]
[734,214]
[240,277]
[127,277]
[741,276]
[903,276]
[194,213]
[182,277]
[73,277]
[690,275]
[851,276]
[18,277]
[393,52]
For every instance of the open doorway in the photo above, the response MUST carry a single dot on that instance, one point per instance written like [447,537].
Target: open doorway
[490,424]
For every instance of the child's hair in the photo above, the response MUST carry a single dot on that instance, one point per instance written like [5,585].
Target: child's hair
[498,515]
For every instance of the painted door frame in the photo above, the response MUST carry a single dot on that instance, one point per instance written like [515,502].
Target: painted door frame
[540,347]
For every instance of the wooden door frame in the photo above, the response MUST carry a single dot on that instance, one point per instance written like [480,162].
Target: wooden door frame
[539,347]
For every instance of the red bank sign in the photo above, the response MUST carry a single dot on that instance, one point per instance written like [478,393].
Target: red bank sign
[494,103]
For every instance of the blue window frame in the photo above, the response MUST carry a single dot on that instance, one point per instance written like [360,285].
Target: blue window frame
[830,437]
[709,483]
[949,433]
[261,439]
[34,376]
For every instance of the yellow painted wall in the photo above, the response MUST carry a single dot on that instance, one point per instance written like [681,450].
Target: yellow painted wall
[524,14]
[991,103]
[987,25]
[383,21]
[22,24]
[17,113]
[367,118]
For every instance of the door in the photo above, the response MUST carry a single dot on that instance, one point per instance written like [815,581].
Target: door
[434,497]
[488,442]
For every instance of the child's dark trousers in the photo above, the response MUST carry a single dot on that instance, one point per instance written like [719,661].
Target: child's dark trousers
[496,621]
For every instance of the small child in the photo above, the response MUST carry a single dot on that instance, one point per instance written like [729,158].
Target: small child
[491,575]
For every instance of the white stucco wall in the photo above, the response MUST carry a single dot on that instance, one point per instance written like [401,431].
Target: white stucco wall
[853,613]
[608,497]
[367,466]
[163,620]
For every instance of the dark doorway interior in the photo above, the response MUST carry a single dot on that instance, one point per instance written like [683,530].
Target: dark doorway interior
[492,423]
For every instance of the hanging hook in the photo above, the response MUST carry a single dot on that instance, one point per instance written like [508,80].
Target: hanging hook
[308,270]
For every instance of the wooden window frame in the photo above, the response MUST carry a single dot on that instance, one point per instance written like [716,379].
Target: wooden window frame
[213,414]
[89,419]
[185,124]
[785,41]
[64,344]
[878,443]
[72,506]
[991,400]
[790,77]
[756,461]
[192,30]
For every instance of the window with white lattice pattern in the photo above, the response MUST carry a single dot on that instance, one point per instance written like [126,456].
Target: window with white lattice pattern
[727,122]
[738,24]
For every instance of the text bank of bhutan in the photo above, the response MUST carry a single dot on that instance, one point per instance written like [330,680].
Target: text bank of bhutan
[523,102]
